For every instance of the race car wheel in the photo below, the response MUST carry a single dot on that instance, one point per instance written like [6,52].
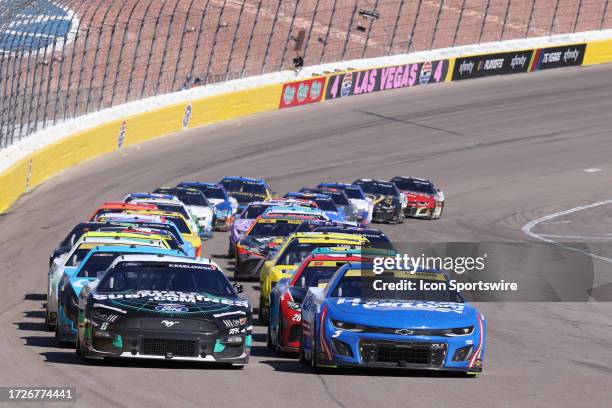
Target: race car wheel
[58,338]
[269,339]
[262,314]
[48,324]
[231,251]
[79,349]
[302,356]
[279,331]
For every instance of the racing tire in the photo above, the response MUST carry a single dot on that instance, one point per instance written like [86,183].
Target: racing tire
[301,355]
[262,315]
[269,343]
[78,350]
[279,331]
[58,338]
[231,250]
[50,327]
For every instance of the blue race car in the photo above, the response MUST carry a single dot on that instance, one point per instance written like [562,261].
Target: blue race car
[73,280]
[324,202]
[365,319]
[246,190]
[225,206]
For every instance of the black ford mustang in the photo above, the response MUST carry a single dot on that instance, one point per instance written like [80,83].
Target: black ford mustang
[164,307]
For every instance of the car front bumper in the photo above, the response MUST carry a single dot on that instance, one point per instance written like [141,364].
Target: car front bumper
[168,345]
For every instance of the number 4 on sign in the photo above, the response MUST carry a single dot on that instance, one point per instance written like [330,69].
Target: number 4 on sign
[438,71]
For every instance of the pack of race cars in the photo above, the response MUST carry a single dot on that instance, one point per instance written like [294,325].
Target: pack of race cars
[130,282]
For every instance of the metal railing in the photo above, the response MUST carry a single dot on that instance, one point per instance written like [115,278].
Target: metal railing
[61,59]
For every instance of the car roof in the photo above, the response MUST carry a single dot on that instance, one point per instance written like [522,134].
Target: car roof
[240,178]
[135,248]
[199,183]
[165,258]
[304,194]
[325,236]
[120,234]
[152,195]
[362,251]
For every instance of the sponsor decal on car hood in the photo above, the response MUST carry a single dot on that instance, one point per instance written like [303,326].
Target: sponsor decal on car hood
[171,302]
[418,313]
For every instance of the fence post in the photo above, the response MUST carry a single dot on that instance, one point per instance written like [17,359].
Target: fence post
[280,65]
[61,70]
[52,63]
[484,20]
[248,51]
[348,32]
[181,45]
[603,16]
[211,54]
[162,65]
[109,52]
[231,56]
[266,53]
[117,64]
[365,46]
[578,12]
[198,42]
[96,55]
[397,19]
[146,73]
[554,17]
[533,3]
[458,23]
[505,19]
[36,94]
[331,19]
[416,20]
[312,25]
[433,36]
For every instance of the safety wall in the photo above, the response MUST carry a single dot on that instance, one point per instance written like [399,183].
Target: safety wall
[42,164]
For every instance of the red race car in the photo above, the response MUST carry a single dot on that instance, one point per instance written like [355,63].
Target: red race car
[285,316]
[423,199]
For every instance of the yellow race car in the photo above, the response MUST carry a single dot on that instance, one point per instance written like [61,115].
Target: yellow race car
[290,255]
[188,233]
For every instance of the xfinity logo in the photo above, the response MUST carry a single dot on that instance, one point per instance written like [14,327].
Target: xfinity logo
[404,332]
[571,55]
[169,323]
[466,67]
[518,60]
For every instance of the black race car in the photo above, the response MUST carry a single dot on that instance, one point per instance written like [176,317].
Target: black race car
[386,198]
[164,307]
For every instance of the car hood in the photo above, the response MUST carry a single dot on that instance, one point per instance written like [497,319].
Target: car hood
[414,196]
[201,211]
[399,313]
[379,199]
[216,201]
[170,303]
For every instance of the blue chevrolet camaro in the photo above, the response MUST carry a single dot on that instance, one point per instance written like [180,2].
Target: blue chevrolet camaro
[386,320]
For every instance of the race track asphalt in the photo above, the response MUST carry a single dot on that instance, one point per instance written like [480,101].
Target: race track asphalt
[506,150]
